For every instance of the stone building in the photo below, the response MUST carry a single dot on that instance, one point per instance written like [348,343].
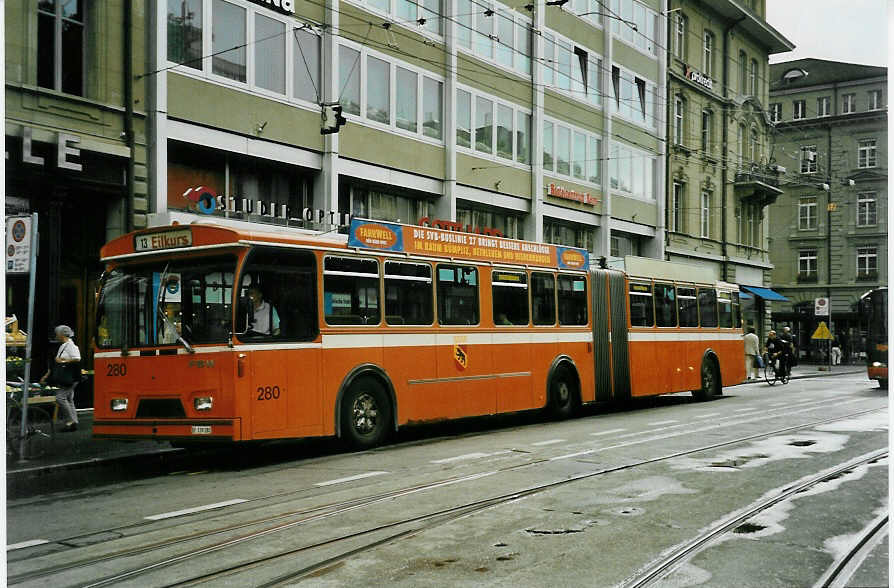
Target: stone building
[829,230]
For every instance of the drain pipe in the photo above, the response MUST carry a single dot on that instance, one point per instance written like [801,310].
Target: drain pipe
[724,145]
[128,114]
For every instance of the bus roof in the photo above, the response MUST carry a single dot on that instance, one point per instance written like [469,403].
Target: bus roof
[648,268]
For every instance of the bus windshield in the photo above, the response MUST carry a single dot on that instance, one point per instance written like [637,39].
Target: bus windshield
[168,302]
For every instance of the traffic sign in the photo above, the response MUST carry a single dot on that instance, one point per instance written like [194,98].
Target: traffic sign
[822,332]
[18,244]
[821,307]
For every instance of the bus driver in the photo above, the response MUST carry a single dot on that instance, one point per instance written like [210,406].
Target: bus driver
[263,320]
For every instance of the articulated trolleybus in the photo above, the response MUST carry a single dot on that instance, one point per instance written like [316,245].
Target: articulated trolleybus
[875,308]
[208,333]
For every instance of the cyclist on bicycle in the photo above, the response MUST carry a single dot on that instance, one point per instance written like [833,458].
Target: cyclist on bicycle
[776,351]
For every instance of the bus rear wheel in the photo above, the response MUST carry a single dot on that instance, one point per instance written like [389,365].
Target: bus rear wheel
[883,383]
[365,414]
[562,394]
[710,381]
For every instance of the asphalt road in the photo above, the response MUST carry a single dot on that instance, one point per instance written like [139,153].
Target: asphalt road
[762,487]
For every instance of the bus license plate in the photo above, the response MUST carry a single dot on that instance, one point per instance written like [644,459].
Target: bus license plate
[201,429]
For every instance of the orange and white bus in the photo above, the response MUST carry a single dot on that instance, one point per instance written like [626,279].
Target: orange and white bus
[212,333]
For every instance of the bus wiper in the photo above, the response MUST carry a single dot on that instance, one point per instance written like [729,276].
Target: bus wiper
[164,316]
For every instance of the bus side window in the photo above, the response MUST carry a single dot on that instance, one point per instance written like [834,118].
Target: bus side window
[641,305]
[351,291]
[572,300]
[665,305]
[457,295]
[687,306]
[408,293]
[510,297]
[737,311]
[707,307]
[543,298]
[725,309]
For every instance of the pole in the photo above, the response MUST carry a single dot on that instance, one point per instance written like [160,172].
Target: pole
[32,276]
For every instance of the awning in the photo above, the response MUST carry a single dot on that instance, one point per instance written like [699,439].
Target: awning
[745,295]
[764,293]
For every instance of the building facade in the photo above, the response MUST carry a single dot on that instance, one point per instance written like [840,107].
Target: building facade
[829,230]
[721,172]
[75,149]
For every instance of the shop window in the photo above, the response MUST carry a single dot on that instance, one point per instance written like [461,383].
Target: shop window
[457,295]
[408,293]
[687,307]
[60,45]
[277,296]
[510,297]
[509,225]
[185,33]
[543,298]
[641,311]
[665,305]
[572,300]
[707,307]
[351,291]
[228,40]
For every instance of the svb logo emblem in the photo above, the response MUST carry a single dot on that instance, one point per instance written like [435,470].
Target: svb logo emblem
[460,356]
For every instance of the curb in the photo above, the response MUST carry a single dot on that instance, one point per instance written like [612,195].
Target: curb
[803,376]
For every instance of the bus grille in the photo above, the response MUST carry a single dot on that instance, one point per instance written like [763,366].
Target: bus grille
[160,408]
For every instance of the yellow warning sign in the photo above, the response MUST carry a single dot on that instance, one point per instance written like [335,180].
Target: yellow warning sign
[822,332]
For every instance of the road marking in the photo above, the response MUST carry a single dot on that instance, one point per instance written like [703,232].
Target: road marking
[746,409]
[550,442]
[707,415]
[570,455]
[25,544]
[609,432]
[349,478]
[655,424]
[187,511]
[461,457]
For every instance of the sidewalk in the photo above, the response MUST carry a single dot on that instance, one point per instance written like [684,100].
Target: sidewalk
[79,452]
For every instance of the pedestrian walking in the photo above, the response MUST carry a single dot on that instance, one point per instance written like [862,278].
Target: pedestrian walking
[752,350]
[65,373]
[836,351]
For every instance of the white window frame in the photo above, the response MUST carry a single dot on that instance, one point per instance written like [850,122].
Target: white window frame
[643,39]
[808,164]
[867,202]
[705,215]
[776,112]
[848,103]
[520,23]
[590,155]
[621,154]
[708,53]
[875,100]
[391,16]
[865,255]
[823,106]
[495,104]
[807,208]
[753,77]
[679,119]
[680,23]
[58,20]
[676,211]
[585,94]
[808,257]
[867,156]
[799,110]
[707,130]
[633,114]
[393,64]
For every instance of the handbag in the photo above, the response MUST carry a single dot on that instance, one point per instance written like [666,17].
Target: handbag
[63,375]
[759,361]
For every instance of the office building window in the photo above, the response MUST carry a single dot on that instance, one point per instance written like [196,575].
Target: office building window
[808,159]
[60,45]
[432,107]
[495,131]
[676,211]
[776,112]
[866,156]
[308,62]
[867,211]
[708,54]
[706,215]
[848,103]
[807,267]
[184,32]
[679,110]
[707,130]
[867,262]
[799,110]
[875,100]
[228,40]
[807,213]
[680,36]
[743,73]
[405,95]
[270,54]
[463,119]
[823,106]
[631,171]
[753,77]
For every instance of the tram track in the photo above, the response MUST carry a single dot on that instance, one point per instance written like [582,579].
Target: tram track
[840,572]
[394,529]
[662,567]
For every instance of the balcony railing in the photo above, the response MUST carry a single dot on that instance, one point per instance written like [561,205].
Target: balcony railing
[807,278]
[758,182]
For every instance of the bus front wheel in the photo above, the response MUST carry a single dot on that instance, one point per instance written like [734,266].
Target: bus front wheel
[365,414]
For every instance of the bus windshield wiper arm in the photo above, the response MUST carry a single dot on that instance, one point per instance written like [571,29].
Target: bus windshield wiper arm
[164,316]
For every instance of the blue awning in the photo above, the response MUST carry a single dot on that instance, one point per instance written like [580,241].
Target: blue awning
[745,295]
[764,293]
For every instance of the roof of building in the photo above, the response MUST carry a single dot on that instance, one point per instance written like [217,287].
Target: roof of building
[802,73]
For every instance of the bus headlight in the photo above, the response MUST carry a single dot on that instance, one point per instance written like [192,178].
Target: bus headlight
[119,404]
[877,364]
[203,402]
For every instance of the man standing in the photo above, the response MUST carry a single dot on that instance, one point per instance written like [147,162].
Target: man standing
[752,349]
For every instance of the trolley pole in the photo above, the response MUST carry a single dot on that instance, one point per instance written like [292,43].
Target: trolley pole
[32,278]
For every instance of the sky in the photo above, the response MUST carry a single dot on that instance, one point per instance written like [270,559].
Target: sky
[854,31]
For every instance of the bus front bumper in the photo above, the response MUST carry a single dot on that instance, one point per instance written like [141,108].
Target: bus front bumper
[169,429]
[878,372]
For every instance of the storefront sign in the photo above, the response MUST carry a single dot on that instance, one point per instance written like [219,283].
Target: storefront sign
[566,194]
[18,245]
[698,77]
[205,201]
[64,150]
[455,226]
[163,240]
[284,6]
[431,241]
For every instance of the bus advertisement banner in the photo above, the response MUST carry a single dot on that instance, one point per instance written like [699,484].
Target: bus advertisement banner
[385,236]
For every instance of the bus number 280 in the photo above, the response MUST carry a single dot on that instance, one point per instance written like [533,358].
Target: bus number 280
[268,392]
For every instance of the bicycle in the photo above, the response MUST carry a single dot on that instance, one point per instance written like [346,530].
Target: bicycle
[39,434]
[773,371]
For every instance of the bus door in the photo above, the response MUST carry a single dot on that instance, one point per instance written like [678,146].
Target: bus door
[280,360]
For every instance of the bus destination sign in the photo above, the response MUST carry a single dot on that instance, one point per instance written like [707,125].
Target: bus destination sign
[386,236]
[165,240]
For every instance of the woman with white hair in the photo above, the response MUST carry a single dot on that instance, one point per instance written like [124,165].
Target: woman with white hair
[68,353]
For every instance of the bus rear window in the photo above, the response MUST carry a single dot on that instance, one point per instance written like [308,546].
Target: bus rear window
[457,295]
[408,294]
[351,291]
[641,305]
[510,297]
[572,300]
